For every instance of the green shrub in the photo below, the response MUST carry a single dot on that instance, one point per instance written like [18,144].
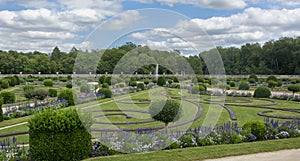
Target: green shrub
[52,92]
[294,88]
[106,92]
[12,81]
[28,87]
[69,85]
[102,79]
[272,77]
[1,112]
[41,79]
[54,78]
[40,94]
[253,78]
[63,79]
[133,83]
[195,90]
[272,84]
[165,111]
[175,80]
[202,87]
[232,84]
[48,82]
[262,92]
[141,86]
[257,128]
[4,84]
[8,97]
[161,81]
[170,81]
[108,80]
[68,95]
[84,88]
[59,135]
[244,86]
[105,85]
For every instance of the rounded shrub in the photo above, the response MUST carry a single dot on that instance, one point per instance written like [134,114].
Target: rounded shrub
[140,86]
[257,128]
[52,92]
[40,94]
[195,90]
[102,79]
[262,92]
[41,79]
[146,81]
[59,135]
[133,83]
[1,112]
[105,92]
[161,81]
[68,95]
[108,80]
[69,85]
[202,87]
[232,84]
[48,82]
[105,85]
[272,77]
[253,78]
[4,84]
[8,97]
[84,88]
[63,79]
[244,86]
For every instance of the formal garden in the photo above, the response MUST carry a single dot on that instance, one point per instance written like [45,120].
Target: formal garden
[69,118]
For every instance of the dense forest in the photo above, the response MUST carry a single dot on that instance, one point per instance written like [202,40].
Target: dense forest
[273,57]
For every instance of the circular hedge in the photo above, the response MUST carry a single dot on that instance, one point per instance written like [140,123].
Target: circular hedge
[59,135]
[262,92]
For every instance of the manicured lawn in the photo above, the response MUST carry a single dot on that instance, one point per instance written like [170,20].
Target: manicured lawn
[208,152]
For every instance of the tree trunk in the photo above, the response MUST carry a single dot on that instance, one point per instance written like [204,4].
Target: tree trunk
[166,124]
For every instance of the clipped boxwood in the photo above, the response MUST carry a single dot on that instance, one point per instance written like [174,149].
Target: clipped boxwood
[52,92]
[244,86]
[59,135]
[105,92]
[4,84]
[8,97]
[69,85]
[48,82]
[1,112]
[63,79]
[257,128]
[141,86]
[68,95]
[262,92]
[161,81]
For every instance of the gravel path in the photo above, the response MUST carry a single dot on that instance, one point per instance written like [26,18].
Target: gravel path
[283,155]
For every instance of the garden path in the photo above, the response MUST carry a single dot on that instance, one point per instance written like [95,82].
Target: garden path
[286,155]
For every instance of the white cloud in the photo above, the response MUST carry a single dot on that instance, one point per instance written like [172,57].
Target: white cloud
[43,28]
[124,20]
[253,25]
[286,2]
[214,4]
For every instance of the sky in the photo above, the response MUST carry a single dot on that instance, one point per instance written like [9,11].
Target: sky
[184,25]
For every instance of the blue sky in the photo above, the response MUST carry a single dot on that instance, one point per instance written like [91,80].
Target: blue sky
[186,25]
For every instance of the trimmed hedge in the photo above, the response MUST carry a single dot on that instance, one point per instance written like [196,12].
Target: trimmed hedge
[4,84]
[106,92]
[59,135]
[48,82]
[1,112]
[68,95]
[8,97]
[161,81]
[257,128]
[52,92]
[262,92]
[141,86]
[244,86]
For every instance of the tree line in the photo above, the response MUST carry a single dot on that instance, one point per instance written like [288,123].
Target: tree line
[278,57]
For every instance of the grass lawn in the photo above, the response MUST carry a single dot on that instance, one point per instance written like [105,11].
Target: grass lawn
[208,152]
